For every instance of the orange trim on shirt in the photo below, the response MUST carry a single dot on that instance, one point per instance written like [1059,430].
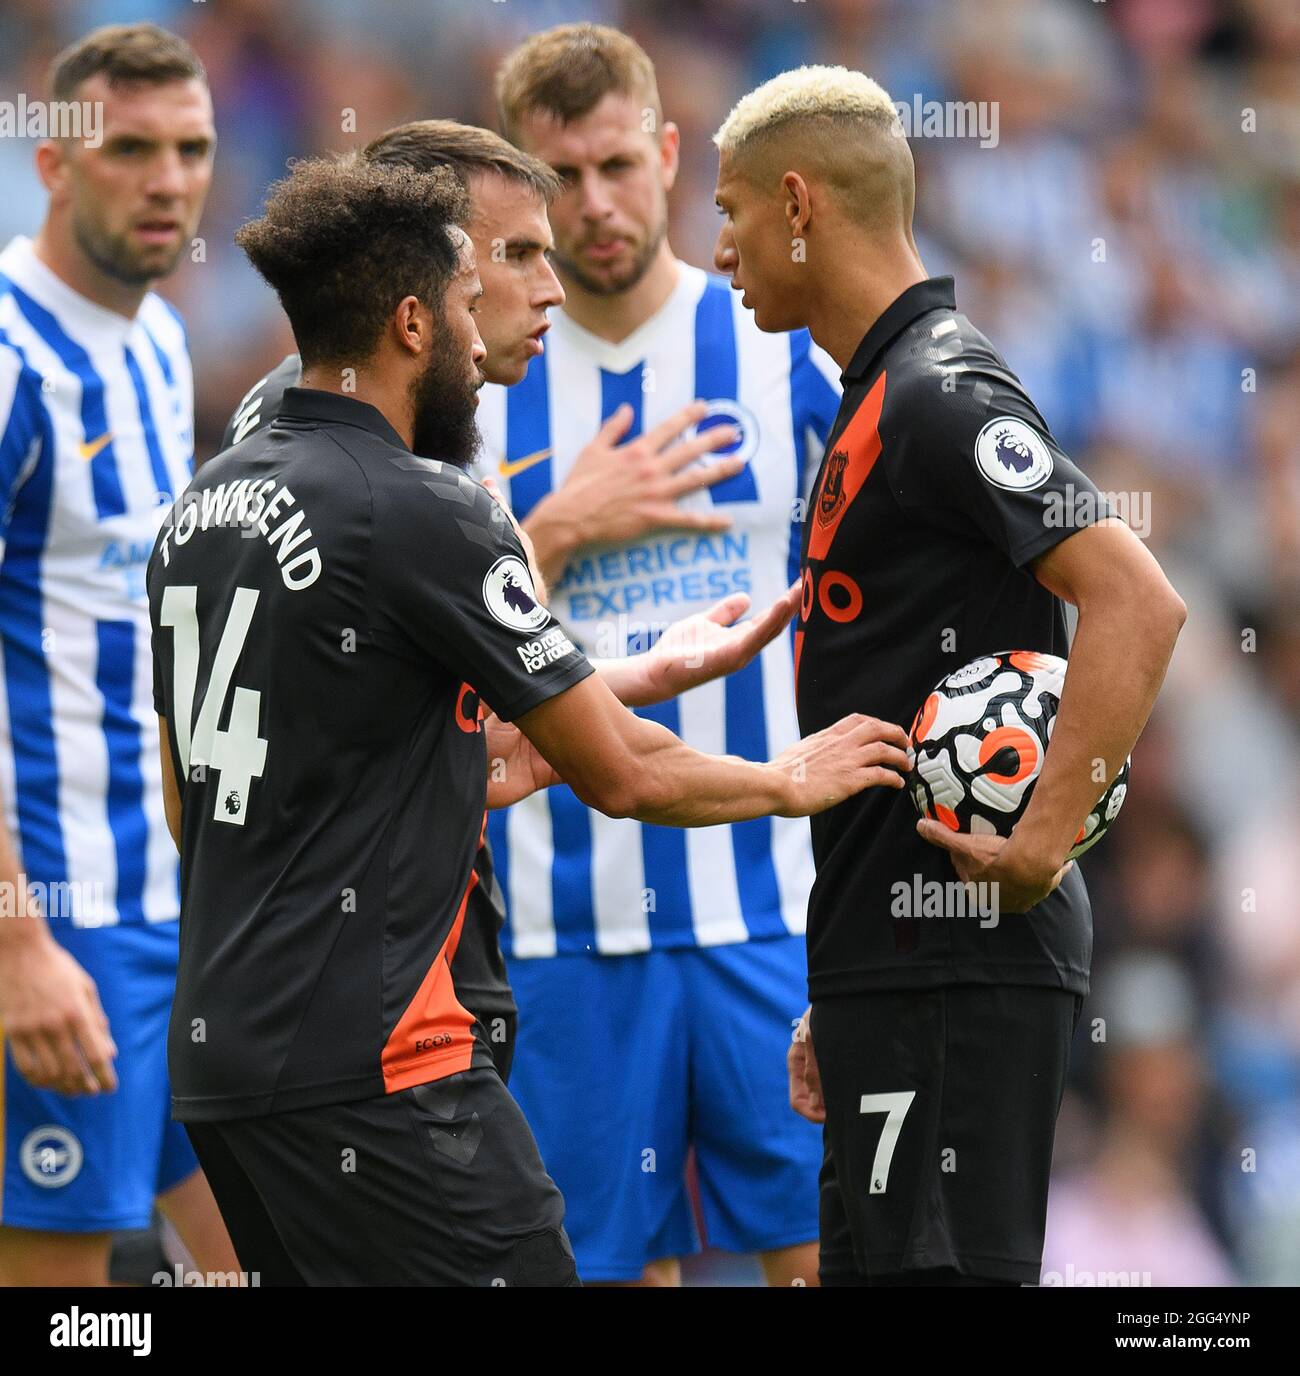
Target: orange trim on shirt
[847,467]
[433,1037]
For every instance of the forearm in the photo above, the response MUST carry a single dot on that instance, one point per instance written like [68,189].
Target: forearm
[625,766]
[676,786]
[656,777]
[1118,660]
[630,679]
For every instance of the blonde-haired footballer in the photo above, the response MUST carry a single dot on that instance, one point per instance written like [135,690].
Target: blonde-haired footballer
[941,1043]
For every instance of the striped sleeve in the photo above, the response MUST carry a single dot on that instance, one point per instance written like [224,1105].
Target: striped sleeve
[22,416]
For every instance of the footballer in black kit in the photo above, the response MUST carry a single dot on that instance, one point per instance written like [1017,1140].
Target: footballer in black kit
[320,596]
[934,1034]
[945,524]
[479,968]
[922,522]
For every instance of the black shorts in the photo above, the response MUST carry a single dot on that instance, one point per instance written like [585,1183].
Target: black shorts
[941,1109]
[441,1184]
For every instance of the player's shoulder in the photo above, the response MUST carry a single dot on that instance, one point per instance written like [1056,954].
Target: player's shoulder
[17,376]
[13,361]
[951,405]
[425,508]
[273,385]
[12,326]
[261,403]
[14,257]
[425,488]
[164,322]
[223,468]
[942,370]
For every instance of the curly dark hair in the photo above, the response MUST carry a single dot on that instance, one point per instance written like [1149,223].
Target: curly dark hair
[343,240]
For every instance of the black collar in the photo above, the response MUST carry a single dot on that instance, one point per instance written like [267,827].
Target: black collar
[932,294]
[306,403]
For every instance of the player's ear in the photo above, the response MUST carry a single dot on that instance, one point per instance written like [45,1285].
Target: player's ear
[412,325]
[52,165]
[798,203]
[670,142]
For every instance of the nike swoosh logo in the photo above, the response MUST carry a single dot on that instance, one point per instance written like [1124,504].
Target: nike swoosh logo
[508,469]
[90,448]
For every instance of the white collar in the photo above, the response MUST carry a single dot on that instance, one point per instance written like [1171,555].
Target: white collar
[675,317]
[19,261]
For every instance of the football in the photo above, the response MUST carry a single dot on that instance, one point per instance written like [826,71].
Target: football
[978,741]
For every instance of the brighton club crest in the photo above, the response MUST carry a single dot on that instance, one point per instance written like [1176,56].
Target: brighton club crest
[50,1156]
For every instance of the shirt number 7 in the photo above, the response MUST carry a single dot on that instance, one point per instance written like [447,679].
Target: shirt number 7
[895,1106]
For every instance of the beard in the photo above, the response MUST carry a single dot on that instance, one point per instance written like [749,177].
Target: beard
[443,407]
[625,281]
[114,257]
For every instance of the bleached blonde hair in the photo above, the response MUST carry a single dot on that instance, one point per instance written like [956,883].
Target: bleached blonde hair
[830,93]
[836,124]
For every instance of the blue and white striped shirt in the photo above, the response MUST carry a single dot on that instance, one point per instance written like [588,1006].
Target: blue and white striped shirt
[574,879]
[97,438]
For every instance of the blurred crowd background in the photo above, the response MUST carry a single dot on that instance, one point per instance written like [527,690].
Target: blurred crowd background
[1132,245]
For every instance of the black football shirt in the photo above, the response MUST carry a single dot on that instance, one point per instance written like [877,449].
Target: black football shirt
[940,484]
[479,968]
[320,599]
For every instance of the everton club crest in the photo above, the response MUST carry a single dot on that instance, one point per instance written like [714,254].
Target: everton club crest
[831,498]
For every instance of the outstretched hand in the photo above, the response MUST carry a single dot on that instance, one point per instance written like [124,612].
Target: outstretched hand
[713,643]
[842,759]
